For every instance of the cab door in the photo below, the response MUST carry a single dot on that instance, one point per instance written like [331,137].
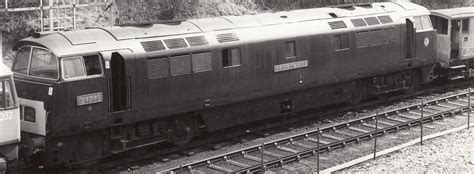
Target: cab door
[120,67]
[85,87]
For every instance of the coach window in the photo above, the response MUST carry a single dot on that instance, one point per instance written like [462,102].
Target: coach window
[290,50]
[341,42]
[231,57]
[465,25]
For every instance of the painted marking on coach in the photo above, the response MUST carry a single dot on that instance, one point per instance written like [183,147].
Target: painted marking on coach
[291,66]
[89,99]
[427,42]
[6,115]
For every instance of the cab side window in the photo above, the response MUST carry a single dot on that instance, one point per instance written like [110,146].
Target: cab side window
[81,66]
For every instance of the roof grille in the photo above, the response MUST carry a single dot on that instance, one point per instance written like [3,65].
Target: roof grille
[385,19]
[337,25]
[372,20]
[197,41]
[155,45]
[175,43]
[358,22]
[227,37]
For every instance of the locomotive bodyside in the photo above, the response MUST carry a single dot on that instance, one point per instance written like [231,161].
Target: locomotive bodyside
[100,91]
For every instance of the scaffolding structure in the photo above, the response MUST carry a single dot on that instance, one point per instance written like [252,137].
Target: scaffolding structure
[56,15]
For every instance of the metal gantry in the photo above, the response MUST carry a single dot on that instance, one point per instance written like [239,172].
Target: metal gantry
[58,14]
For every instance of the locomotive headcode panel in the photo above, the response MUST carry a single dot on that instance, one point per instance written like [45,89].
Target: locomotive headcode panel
[90,93]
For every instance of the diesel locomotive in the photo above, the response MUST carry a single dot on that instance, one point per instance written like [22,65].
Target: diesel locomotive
[90,93]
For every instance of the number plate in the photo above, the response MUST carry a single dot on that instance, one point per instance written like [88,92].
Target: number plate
[89,99]
[291,66]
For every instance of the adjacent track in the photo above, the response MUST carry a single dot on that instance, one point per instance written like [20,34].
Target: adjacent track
[279,152]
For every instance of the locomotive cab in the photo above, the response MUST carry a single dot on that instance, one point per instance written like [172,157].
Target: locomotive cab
[9,117]
[455,29]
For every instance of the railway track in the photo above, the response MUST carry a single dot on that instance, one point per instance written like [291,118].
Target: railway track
[279,152]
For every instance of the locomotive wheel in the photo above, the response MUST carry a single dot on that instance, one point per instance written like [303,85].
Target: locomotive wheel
[182,130]
[89,149]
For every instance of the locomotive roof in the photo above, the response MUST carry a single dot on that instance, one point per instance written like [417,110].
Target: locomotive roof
[4,70]
[454,13]
[249,28]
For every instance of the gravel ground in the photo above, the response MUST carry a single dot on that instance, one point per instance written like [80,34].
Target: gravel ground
[453,153]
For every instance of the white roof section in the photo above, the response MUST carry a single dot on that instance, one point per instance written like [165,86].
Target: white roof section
[454,13]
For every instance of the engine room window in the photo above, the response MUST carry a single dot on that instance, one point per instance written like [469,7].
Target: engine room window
[341,42]
[290,50]
[390,34]
[180,65]
[231,57]
[43,64]
[7,99]
[377,37]
[465,25]
[202,62]
[362,39]
[158,67]
[22,60]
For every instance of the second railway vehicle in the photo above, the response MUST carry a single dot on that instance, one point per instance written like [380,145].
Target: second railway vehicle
[95,92]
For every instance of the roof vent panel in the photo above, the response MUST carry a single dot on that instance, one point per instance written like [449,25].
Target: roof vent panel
[197,41]
[155,45]
[227,37]
[385,19]
[337,25]
[372,21]
[175,43]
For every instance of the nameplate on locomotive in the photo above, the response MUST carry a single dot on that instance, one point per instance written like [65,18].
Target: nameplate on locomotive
[89,99]
[291,66]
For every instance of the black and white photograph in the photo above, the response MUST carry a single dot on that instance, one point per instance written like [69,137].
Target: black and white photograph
[236,86]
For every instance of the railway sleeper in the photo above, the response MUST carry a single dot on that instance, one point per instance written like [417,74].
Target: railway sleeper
[287,149]
[458,103]
[447,106]
[235,163]
[322,142]
[386,123]
[332,137]
[301,145]
[218,168]
[399,120]
[359,129]
[253,158]
[272,154]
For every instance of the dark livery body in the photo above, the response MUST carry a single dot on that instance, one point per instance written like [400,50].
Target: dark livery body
[106,90]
